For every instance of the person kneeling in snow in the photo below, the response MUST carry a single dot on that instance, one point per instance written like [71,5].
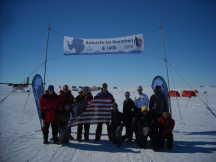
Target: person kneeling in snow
[48,105]
[116,125]
[144,125]
[166,125]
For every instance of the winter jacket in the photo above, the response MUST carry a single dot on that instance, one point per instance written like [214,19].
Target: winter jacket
[80,99]
[166,126]
[128,110]
[141,100]
[48,107]
[83,99]
[89,97]
[65,99]
[116,118]
[158,103]
[81,103]
[104,95]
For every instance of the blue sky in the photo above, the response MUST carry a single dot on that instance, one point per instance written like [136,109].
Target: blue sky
[189,31]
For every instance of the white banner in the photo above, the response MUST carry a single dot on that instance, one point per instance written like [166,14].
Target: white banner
[78,46]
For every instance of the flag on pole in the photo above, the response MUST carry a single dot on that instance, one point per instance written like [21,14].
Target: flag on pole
[38,90]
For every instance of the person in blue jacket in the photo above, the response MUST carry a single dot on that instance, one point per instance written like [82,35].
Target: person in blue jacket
[141,102]
[141,99]
[103,94]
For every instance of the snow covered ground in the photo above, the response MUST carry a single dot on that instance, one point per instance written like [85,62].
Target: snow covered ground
[21,138]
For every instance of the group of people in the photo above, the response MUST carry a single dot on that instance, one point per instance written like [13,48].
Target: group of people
[148,118]
[141,116]
[56,111]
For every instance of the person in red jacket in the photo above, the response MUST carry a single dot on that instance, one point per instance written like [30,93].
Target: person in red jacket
[166,125]
[48,105]
[64,110]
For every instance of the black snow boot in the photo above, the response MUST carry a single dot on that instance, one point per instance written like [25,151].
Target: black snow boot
[45,142]
[55,140]
[169,143]
[45,139]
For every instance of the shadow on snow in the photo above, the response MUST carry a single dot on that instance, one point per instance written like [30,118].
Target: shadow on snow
[193,147]
[212,133]
[102,146]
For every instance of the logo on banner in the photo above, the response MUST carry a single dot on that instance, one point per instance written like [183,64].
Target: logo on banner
[77,44]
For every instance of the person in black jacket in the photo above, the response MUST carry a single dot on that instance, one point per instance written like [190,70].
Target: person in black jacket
[128,113]
[66,100]
[116,125]
[158,102]
[144,127]
[83,98]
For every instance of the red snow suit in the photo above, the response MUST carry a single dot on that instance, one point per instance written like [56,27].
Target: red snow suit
[48,105]
[165,126]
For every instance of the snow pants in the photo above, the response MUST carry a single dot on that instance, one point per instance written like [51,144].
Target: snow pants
[166,141]
[63,132]
[116,134]
[142,136]
[129,130]
[99,131]
[54,127]
[86,131]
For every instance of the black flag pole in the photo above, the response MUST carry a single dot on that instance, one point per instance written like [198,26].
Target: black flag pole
[46,53]
[163,47]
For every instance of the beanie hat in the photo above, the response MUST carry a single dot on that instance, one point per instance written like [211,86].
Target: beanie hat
[51,88]
[127,93]
[140,88]
[104,85]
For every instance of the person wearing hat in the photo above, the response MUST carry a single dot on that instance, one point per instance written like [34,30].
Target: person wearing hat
[158,105]
[48,107]
[128,113]
[66,100]
[166,125]
[116,121]
[141,101]
[158,102]
[103,94]
[83,100]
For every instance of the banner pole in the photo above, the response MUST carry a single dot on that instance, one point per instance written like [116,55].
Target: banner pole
[46,53]
[163,47]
